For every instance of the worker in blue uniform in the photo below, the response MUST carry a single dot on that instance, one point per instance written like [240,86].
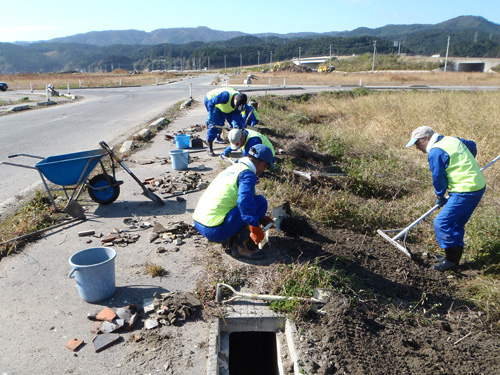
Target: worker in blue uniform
[245,139]
[250,114]
[230,210]
[223,104]
[454,169]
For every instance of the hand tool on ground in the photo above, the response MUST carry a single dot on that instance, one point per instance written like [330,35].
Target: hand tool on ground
[145,191]
[319,296]
[279,213]
[404,231]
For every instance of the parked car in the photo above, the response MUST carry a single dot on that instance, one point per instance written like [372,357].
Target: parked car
[3,86]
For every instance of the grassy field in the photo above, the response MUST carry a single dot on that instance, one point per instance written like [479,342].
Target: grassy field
[387,186]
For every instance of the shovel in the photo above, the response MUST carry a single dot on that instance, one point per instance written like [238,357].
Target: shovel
[320,296]
[279,213]
[145,191]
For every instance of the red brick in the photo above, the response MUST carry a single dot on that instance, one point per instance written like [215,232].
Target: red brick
[74,344]
[106,314]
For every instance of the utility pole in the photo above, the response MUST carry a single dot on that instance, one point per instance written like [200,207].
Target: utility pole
[208,63]
[330,55]
[258,60]
[241,60]
[271,61]
[447,49]
[475,37]
[300,48]
[225,67]
[374,52]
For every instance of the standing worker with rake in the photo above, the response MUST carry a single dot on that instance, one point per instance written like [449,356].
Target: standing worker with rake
[454,168]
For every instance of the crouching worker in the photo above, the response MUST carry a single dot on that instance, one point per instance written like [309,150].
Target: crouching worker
[229,208]
[454,168]
[245,139]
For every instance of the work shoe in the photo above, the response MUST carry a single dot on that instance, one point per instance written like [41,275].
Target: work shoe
[246,250]
[210,150]
[220,140]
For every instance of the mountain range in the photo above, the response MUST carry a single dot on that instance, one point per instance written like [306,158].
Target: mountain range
[206,35]
[194,48]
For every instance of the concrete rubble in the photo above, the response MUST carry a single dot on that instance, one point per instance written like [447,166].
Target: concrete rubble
[165,309]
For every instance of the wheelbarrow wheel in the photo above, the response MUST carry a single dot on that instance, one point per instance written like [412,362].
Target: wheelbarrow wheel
[101,192]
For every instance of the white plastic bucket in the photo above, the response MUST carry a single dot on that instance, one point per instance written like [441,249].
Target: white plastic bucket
[180,159]
[94,271]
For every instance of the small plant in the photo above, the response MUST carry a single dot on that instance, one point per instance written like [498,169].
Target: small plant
[154,270]
[300,280]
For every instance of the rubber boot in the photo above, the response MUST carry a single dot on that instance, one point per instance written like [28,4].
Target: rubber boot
[210,150]
[452,259]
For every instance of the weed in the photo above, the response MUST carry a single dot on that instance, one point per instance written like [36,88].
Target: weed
[154,270]
[35,215]
[300,280]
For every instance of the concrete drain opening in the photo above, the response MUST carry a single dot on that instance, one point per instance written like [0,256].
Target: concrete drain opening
[252,345]
[253,353]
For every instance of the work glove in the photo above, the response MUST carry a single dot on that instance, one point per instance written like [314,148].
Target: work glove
[256,234]
[441,201]
[225,154]
[265,220]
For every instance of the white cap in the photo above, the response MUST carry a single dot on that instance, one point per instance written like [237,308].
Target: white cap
[420,132]
[235,137]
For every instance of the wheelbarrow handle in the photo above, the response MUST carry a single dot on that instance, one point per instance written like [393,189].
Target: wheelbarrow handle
[30,156]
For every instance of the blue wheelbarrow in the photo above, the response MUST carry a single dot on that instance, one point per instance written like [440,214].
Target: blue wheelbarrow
[71,172]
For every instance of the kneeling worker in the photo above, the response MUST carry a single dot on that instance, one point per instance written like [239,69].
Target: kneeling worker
[246,139]
[229,208]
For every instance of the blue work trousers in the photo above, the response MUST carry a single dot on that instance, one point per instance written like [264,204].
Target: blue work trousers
[449,224]
[232,224]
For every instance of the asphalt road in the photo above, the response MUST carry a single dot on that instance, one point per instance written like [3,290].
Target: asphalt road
[108,114]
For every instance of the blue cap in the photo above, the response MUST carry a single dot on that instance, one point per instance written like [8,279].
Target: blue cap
[262,152]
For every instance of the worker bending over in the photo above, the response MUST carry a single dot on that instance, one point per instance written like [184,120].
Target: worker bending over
[454,168]
[250,114]
[245,139]
[230,210]
[223,104]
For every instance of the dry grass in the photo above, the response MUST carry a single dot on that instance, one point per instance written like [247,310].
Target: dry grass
[366,132]
[60,81]
[154,270]
[400,78]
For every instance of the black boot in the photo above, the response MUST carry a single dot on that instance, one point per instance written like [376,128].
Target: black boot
[210,150]
[453,256]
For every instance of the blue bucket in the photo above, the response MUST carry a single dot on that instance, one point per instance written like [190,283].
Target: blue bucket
[180,159]
[94,270]
[182,140]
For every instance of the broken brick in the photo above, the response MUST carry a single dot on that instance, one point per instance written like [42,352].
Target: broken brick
[106,314]
[101,342]
[96,328]
[74,344]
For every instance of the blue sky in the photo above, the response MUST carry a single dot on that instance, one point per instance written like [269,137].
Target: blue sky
[32,20]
